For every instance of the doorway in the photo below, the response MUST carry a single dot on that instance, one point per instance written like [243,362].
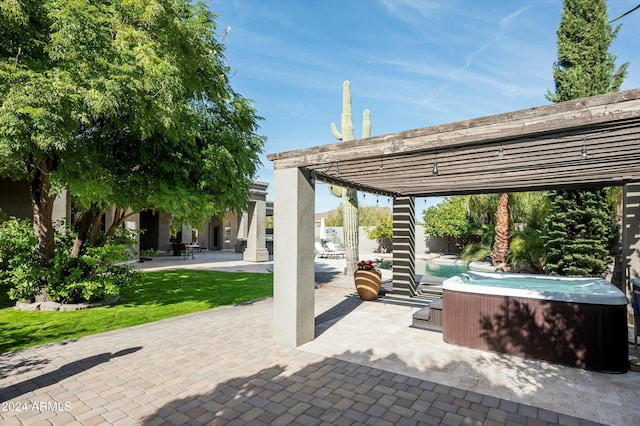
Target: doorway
[215,231]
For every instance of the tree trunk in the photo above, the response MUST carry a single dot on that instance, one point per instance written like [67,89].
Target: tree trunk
[350,224]
[503,225]
[85,224]
[119,216]
[95,229]
[42,206]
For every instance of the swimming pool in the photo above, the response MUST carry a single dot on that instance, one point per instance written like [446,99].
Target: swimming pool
[433,268]
[439,269]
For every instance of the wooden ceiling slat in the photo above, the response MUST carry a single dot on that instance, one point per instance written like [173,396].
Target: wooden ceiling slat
[542,148]
[588,112]
[612,153]
[522,153]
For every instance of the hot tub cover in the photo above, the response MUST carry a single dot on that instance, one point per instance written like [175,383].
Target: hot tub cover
[546,287]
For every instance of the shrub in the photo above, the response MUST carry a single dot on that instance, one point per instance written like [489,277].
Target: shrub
[94,275]
[475,251]
[382,233]
[527,252]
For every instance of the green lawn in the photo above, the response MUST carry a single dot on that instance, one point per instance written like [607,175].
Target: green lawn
[158,295]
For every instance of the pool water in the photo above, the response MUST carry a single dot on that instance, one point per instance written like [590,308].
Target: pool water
[442,270]
[540,283]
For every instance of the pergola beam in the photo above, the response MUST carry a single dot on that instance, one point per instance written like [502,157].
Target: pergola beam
[579,117]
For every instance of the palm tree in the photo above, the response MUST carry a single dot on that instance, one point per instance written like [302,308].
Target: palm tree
[503,229]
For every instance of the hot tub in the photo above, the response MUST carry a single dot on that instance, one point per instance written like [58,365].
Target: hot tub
[580,322]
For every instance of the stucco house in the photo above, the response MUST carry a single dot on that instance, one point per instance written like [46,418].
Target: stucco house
[244,233]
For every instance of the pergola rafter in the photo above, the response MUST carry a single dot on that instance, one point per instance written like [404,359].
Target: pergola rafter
[533,149]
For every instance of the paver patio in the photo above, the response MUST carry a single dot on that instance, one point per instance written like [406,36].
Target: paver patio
[366,366]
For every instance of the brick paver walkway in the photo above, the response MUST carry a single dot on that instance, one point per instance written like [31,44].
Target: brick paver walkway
[366,366]
[221,366]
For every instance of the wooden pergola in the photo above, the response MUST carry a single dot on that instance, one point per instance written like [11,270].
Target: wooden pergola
[582,143]
[585,143]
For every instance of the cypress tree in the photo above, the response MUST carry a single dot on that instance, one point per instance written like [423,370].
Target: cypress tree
[578,231]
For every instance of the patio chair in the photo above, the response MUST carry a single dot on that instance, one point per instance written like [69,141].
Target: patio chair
[334,251]
[189,250]
[182,250]
[320,251]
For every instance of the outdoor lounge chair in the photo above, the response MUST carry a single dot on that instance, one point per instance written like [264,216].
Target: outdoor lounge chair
[334,251]
[320,251]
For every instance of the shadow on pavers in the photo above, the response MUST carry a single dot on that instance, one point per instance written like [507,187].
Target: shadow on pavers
[61,373]
[339,391]
[325,320]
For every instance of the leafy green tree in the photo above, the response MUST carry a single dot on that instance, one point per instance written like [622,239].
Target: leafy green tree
[578,231]
[449,219]
[371,215]
[125,104]
[335,218]
[368,216]
[382,232]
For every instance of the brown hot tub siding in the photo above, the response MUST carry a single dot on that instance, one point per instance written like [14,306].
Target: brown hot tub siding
[578,334]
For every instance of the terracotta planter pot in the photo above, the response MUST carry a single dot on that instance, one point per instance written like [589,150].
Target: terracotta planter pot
[367,284]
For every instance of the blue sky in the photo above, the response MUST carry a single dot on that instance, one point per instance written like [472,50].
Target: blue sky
[412,63]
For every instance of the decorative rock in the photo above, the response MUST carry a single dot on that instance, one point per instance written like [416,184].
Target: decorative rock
[54,306]
[69,307]
[50,306]
[27,306]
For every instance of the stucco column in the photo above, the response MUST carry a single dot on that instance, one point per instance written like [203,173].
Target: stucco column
[186,234]
[61,214]
[293,255]
[243,226]
[404,246]
[256,250]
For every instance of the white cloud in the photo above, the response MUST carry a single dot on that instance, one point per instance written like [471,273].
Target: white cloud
[454,75]
[512,17]
[406,9]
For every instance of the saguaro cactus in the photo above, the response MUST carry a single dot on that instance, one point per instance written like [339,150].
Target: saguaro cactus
[350,219]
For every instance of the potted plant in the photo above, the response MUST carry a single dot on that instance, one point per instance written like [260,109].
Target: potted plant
[367,278]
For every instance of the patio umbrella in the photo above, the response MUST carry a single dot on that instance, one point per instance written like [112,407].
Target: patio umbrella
[323,231]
